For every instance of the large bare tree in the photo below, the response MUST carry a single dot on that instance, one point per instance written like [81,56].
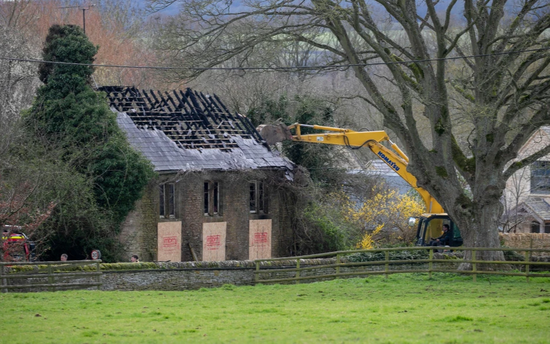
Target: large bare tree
[475,71]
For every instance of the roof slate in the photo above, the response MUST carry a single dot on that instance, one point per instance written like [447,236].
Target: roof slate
[538,206]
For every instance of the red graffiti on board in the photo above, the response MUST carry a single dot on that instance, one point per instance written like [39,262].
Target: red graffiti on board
[213,242]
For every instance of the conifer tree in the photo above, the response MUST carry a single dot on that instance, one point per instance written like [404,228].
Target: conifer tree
[70,116]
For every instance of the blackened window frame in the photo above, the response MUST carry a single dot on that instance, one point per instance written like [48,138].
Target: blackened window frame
[257,197]
[212,198]
[167,201]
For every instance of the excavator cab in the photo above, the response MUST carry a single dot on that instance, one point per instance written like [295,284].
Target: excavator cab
[430,226]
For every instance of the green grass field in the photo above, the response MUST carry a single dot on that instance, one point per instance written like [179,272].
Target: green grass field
[402,309]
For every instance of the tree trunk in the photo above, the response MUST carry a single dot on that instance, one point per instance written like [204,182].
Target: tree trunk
[482,233]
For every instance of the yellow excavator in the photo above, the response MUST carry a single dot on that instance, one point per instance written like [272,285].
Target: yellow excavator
[428,225]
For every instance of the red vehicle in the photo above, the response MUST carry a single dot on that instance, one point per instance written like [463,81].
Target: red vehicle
[16,246]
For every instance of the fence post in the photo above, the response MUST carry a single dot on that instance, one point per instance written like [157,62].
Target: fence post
[386,266]
[474,267]
[98,275]
[431,263]
[50,278]
[527,258]
[297,270]
[338,265]
[257,274]
[4,280]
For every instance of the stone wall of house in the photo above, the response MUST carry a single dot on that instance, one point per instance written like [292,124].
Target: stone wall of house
[139,232]
[518,187]
[527,240]
[524,227]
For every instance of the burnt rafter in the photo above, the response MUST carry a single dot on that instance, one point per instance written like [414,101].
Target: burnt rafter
[191,119]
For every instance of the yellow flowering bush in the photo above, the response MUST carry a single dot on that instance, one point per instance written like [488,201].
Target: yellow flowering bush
[382,218]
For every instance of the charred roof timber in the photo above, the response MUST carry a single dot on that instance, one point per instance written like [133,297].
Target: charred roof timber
[190,119]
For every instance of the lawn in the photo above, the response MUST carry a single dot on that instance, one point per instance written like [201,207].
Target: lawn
[407,308]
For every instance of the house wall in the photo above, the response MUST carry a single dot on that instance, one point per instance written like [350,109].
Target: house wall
[139,231]
[525,225]
[518,187]
[140,228]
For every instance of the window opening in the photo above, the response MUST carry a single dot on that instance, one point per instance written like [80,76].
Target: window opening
[171,200]
[261,203]
[167,200]
[258,199]
[212,198]
[253,208]
[535,227]
[215,198]
[206,198]
[161,201]
[540,177]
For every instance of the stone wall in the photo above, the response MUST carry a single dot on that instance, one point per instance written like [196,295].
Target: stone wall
[139,232]
[527,240]
[183,277]
[196,275]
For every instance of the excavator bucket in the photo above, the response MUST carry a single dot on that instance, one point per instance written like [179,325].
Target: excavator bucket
[274,133]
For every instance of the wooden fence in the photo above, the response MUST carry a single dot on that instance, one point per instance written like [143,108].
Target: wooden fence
[50,276]
[341,264]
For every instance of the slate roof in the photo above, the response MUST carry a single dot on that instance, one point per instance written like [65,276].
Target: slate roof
[378,168]
[537,206]
[190,131]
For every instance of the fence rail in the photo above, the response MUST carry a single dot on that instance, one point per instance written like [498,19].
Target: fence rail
[50,276]
[340,264]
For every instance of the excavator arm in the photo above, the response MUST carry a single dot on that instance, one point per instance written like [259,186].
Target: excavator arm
[394,157]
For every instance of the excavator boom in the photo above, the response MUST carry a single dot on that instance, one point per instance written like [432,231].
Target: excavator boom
[394,157]
[428,225]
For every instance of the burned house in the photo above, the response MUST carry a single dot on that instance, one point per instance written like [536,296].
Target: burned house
[218,192]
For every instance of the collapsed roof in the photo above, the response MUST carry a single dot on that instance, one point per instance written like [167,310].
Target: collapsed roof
[188,130]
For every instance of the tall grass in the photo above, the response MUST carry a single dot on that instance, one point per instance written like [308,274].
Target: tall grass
[402,309]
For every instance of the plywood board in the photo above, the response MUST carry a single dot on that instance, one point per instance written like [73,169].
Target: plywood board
[213,241]
[259,240]
[169,241]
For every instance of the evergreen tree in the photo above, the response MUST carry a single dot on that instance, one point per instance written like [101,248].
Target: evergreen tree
[69,115]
